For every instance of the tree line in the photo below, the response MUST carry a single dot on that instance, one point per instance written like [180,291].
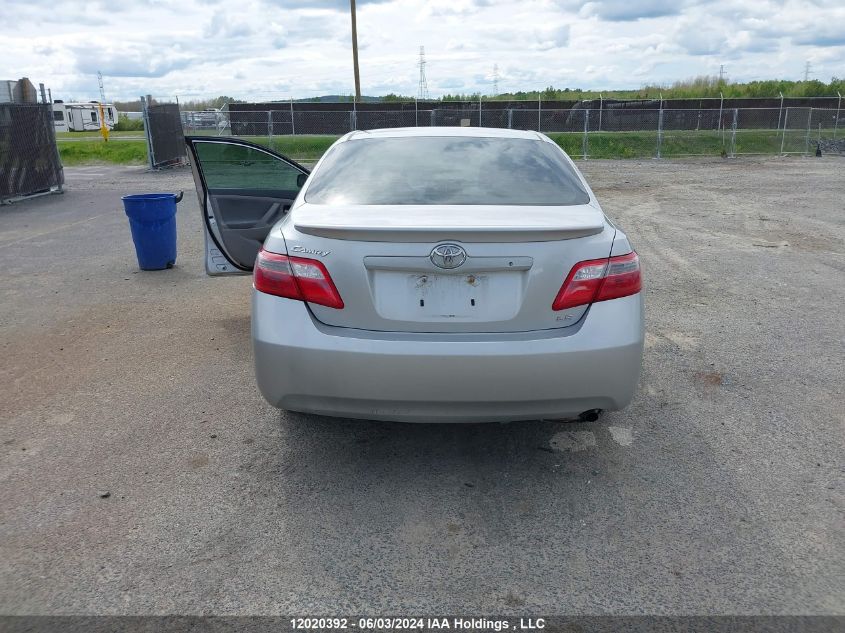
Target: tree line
[696,88]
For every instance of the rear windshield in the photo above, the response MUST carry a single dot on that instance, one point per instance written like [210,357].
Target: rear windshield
[445,170]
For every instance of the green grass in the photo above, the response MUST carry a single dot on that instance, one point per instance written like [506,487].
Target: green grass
[87,152]
[307,147]
[95,134]
[607,144]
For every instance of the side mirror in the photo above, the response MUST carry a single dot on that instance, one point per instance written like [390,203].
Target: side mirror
[300,180]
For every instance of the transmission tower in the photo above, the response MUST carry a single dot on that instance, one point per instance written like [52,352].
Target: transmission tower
[102,90]
[807,71]
[722,73]
[495,80]
[422,91]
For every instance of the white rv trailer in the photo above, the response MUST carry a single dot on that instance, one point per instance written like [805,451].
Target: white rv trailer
[79,117]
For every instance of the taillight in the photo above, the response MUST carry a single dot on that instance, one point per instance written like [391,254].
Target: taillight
[599,280]
[295,278]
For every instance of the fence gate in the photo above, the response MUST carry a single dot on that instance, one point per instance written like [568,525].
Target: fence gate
[165,138]
[29,158]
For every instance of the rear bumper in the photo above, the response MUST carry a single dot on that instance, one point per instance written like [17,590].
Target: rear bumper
[303,365]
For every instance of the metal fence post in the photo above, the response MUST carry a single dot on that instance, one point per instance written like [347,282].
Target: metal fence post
[783,135]
[51,132]
[145,113]
[292,124]
[416,112]
[836,121]
[269,127]
[601,107]
[585,142]
[733,133]
[809,125]
[780,111]
[721,127]
[660,129]
[539,110]
[479,110]
[510,118]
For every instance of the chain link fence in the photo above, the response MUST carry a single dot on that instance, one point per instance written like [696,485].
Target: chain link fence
[604,132]
[29,158]
[164,133]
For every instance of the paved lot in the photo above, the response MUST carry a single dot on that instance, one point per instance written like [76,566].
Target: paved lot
[718,491]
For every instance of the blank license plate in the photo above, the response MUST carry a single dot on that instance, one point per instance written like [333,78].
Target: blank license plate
[481,297]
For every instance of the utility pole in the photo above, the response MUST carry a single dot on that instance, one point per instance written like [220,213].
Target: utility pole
[807,67]
[355,51]
[722,73]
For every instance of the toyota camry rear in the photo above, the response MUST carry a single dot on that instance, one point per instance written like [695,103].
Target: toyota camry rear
[442,274]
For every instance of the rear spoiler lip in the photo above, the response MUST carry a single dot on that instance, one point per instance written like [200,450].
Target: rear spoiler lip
[434,223]
[458,233]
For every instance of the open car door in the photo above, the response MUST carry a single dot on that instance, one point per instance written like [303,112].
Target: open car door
[243,189]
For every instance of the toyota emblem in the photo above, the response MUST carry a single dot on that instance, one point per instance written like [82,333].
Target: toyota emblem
[448,256]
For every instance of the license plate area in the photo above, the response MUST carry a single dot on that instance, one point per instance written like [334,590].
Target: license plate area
[433,297]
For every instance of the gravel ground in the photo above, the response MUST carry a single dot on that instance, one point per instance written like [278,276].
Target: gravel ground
[719,490]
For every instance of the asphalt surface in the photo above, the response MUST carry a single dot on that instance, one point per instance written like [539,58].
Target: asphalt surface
[719,490]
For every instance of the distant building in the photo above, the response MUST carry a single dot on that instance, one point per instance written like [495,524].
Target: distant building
[81,117]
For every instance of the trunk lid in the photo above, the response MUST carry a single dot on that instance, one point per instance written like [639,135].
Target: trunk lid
[429,223]
[380,259]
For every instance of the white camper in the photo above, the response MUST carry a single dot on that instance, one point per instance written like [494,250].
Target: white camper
[79,117]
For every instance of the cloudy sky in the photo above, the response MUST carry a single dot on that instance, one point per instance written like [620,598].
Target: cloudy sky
[275,49]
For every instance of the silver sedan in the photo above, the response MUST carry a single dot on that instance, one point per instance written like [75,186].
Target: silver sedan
[427,275]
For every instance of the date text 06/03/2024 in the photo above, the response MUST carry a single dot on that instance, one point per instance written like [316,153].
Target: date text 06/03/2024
[410,623]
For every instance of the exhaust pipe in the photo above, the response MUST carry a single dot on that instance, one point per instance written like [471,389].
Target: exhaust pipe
[590,415]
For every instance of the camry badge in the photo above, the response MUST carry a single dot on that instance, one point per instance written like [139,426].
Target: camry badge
[448,256]
[310,251]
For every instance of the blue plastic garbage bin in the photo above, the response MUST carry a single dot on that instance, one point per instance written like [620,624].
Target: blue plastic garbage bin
[152,219]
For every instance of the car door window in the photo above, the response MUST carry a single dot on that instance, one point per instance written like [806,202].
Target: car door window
[240,167]
[243,189]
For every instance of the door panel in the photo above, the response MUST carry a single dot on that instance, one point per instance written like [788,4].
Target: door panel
[243,189]
[245,221]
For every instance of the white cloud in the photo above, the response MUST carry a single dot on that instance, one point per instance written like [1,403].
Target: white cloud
[552,37]
[226,26]
[265,49]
